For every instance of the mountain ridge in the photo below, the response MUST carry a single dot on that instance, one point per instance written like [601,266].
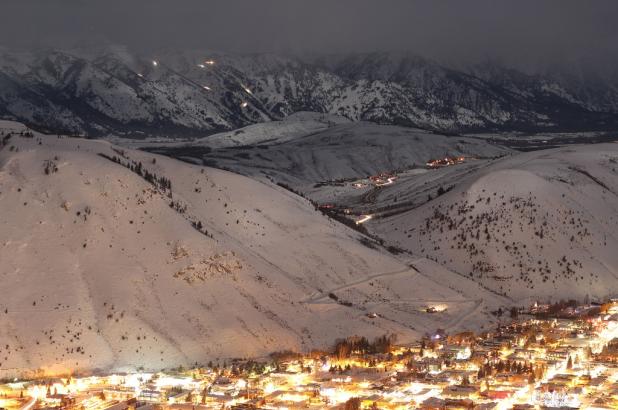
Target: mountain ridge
[197,93]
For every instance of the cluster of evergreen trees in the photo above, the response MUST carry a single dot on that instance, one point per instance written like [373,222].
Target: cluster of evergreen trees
[178,206]
[347,347]
[507,366]
[5,140]
[50,167]
[337,215]
[161,182]
[197,225]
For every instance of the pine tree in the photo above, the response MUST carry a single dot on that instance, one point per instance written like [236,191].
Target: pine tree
[569,363]
[531,378]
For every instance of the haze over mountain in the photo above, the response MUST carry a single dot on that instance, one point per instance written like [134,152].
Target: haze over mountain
[452,66]
[526,34]
[114,91]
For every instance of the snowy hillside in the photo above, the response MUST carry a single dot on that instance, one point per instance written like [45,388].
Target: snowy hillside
[294,126]
[114,90]
[540,224]
[300,155]
[113,258]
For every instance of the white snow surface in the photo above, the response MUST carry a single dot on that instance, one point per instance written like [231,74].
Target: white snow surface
[301,152]
[98,271]
[536,225]
[294,126]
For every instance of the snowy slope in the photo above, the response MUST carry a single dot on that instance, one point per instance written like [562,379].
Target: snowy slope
[103,269]
[294,126]
[540,224]
[347,150]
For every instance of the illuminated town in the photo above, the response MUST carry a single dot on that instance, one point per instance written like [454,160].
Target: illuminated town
[550,356]
[444,162]
[323,205]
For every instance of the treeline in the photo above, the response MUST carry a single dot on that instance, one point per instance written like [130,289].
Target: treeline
[160,182]
[289,188]
[558,309]
[336,215]
[534,372]
[5,140]
[329,212]
[357,345]
[50,167]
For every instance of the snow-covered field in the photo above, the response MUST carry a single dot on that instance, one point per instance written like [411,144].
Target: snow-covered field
[134,259]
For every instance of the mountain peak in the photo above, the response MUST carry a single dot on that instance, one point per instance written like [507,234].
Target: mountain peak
[196,93]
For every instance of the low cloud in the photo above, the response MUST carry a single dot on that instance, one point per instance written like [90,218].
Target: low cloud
[524,32]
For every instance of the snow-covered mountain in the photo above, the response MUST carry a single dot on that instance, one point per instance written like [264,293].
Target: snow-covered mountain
[540,224]
[195,93]
[114,258]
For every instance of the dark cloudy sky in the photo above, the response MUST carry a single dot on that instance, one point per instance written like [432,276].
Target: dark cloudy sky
[524,30]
